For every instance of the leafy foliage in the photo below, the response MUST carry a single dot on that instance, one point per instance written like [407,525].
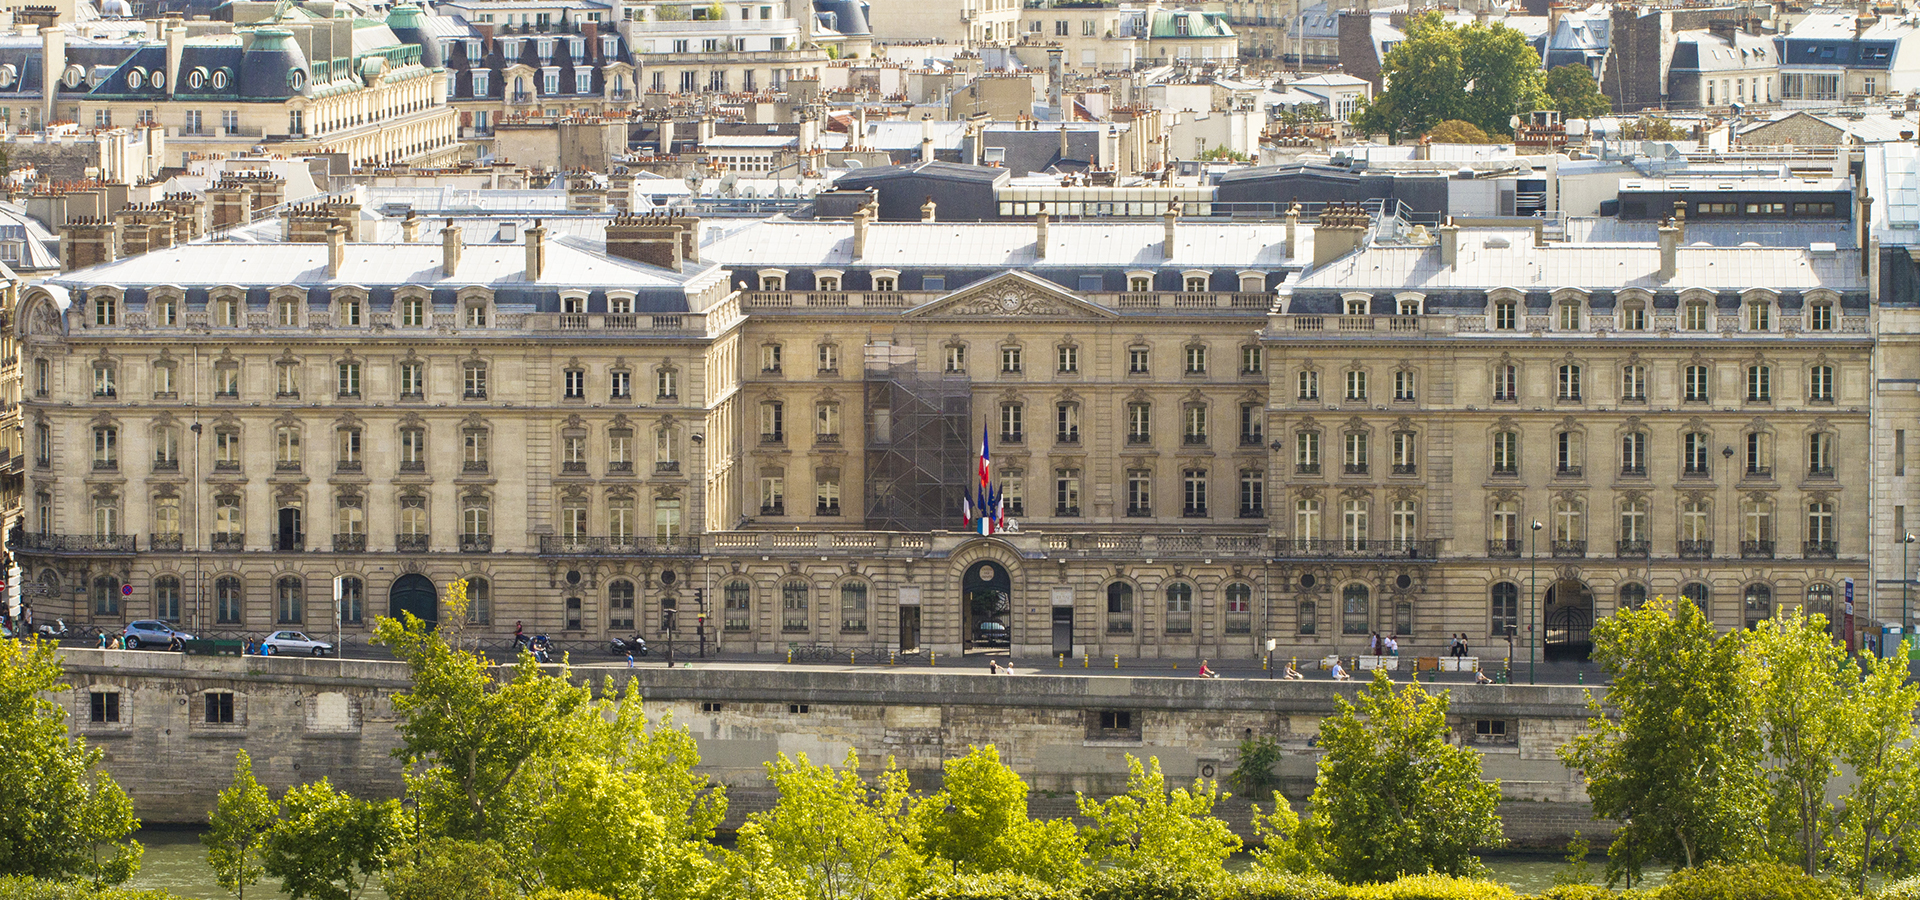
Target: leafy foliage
[1675,754]
[1393,797]
[1572,90]
[447,869]
[1803,718]
[329,845]
[1727,881]
[1879,815]
[1456,131]
[1254,775]
[472,734]
[1279,835]
[1653,128]
[978,824]
[1483,74]
[16,888]
[59,818]
[240,821]
[1432,887]
[1172,832]
[831,836]
[996,886]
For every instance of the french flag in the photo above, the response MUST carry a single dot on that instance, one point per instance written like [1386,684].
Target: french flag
[986,463]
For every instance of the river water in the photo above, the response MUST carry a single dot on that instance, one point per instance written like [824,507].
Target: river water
[176,862]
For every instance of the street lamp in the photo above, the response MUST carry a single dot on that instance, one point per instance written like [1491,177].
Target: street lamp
[1533,599]
[1906,541]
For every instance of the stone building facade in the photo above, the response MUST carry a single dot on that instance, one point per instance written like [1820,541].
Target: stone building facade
[1209,434]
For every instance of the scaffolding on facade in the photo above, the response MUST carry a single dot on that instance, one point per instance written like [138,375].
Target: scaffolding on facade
[919,460]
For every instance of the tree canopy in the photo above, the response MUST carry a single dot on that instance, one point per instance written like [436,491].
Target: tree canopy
[59,816]
[1572,90]
[1393,797]
[1482,74]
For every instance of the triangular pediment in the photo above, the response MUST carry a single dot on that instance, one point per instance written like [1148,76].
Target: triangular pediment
[1012,295]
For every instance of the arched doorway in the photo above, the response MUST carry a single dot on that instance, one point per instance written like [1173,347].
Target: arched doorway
[414,594]
[986,602]
[1567,618]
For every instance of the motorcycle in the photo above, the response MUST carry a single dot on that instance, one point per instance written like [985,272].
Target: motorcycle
[52,632]
[539,646]
[635,645]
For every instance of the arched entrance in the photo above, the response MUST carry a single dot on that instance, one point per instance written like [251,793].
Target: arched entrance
[986,603]
[414,594]
[1567,617]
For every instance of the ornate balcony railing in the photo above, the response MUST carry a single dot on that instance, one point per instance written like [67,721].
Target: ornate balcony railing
[597,545]
[46,542]
[1503,548]
[1821,550]
[1633,549]
[1569,549]
[1756,549]
[1696,549]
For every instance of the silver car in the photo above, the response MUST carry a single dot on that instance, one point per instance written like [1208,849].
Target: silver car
[295,642]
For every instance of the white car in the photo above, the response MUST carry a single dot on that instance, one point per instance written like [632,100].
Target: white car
[294,642]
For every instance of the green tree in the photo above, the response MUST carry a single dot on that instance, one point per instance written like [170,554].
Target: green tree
[1651,128]
[1503,76]
[446,869]
[328,845]
[978,824]
[470,734]
[1458,131]
[1805,680]
[1279,835]
[1151,827]
[1572,90]
[1392,796]
[1673,753]
[1879,815]
[1484,74]
[59,817]
[240,820]
[831,836]
[1253,775]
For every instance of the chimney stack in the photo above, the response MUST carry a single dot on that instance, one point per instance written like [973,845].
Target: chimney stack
[336,250]
[450,247]
[1169,218]
[410,227]
[1670,234]
[536,251]
[1293,224]
[926,137]
[860,219]
[927,209]
[1341,230]
[1450,244]
[1040,237]
[653,240]
[1680,219]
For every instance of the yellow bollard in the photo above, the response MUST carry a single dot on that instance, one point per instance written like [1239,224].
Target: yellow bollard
[849,657]
[1063,660]
[789,657]
[1086,660]
[890,657]
[1263,664]
[1116,660]
[930,655]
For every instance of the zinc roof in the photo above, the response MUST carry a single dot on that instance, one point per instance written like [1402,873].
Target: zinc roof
[1099,244]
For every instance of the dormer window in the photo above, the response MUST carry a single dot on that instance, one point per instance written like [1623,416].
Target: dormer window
[1356,306]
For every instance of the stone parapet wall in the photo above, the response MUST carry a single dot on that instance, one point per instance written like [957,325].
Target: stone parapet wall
[303,718]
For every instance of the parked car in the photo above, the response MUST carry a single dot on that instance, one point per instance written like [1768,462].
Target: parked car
[991,634]
[154,633]
[295,642]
